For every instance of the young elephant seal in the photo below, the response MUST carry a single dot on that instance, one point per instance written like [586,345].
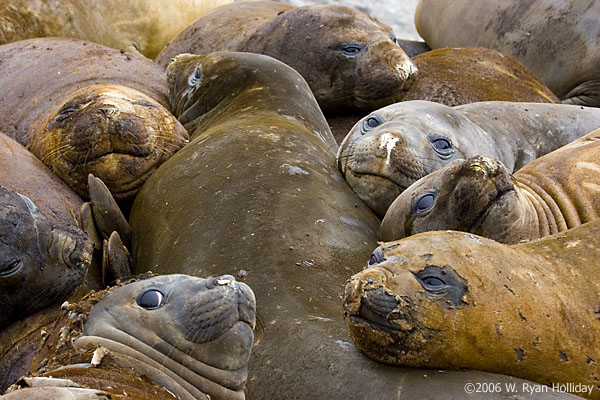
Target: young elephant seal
[392,147]
[41,261]
[456,300]
[138,26]
[93,109]
[556,39]
[551,194]
[111,131]
[165,337]
[349,60]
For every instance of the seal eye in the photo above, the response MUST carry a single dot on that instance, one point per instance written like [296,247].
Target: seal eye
[433,281]
[10,269]
[151,299]
[352,49]
[441,145]
[196,77]
[372,121]
[424,203]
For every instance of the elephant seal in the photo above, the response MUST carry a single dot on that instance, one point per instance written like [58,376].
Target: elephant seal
[136,26]
[112,131]
[256,194]
[391,148]
[102,111]
[551,194]
[462,75]
[348,59]
[451,299]
[164,337]
[556,40]
[41,262]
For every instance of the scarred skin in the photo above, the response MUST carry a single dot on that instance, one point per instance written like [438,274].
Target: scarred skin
[551,194]
[371,73]
[163,337]
[406,141]
[456,300]
[136,26]
[90,101]
[555,39]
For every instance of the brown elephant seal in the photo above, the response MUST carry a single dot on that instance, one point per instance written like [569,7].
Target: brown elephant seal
[112,131]
[391,148]
[551,194]
[41,261]
[348,59]
[462,75]
[556,40]
[164,337]
[94,109]
[256,194]
[132,25]
[456,300]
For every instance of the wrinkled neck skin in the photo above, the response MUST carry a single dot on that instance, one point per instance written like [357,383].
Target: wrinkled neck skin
[169,367]
[528,213]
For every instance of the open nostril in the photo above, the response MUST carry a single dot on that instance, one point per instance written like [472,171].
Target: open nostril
[107,111]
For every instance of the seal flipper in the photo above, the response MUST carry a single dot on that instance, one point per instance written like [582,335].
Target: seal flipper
[88,225]
[106,213]
[116,261]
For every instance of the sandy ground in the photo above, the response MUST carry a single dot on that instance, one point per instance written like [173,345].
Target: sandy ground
[399,14]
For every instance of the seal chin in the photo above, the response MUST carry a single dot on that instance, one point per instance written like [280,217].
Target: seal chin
[376,191]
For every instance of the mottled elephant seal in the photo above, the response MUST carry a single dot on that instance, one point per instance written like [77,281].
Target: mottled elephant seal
[256,194]
[456,300]
[41,261]
[349,60]
[554,193]
[392,147]
[93,109]
[165,337]
[131,25]
[555,39]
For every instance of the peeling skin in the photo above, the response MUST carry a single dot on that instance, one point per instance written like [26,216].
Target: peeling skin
[549,195]
[498,328]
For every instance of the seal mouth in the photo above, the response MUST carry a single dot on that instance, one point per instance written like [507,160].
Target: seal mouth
[504,191]
[76,253]
[383,312]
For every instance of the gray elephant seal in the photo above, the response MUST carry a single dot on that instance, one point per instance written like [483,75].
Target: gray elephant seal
[450,299]
[349,60]
[139,26]
[555,39]
[551,194]
[391,148]
[172,336]
[41,261]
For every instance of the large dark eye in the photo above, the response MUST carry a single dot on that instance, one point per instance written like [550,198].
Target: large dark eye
[433,281]
[376,257]
[196,77]
[151,299]
[372,121]
[441,145]
[352,49]
[424,203]
[10,268]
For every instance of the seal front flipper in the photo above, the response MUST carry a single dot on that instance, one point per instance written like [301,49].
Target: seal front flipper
[116,261]
[106,213]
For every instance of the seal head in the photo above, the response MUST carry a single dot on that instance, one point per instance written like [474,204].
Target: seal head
[388,150]
[461,196]
[349,59]
[41,262]
[111,131]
